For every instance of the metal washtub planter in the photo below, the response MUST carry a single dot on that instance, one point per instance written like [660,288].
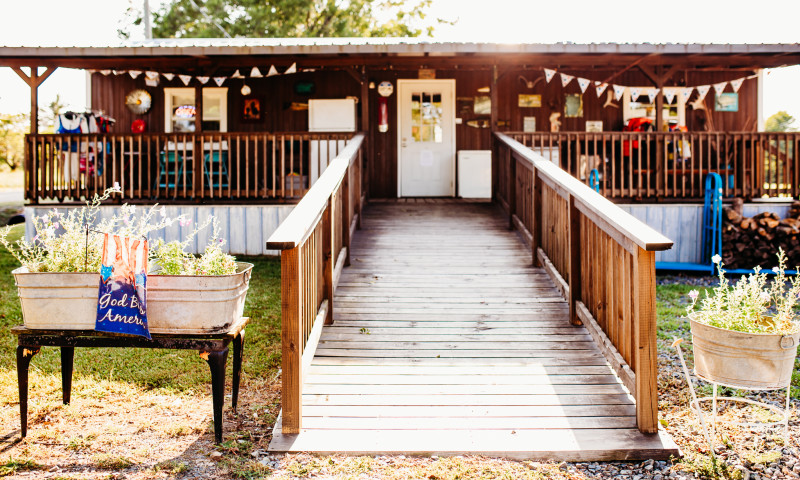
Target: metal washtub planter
[196,303]
[175,303]
[758,361]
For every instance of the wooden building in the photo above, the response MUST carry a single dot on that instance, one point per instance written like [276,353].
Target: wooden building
[434,329]
[490,87]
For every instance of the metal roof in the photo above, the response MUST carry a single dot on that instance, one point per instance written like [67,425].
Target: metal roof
[372,46]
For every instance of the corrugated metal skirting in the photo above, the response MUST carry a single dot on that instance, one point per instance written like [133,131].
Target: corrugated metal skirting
[245,229]
[681,224]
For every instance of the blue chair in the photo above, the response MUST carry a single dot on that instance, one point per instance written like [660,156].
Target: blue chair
[216,169]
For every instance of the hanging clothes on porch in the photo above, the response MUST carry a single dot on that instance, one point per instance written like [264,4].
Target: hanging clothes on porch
[79,156]
[121,306]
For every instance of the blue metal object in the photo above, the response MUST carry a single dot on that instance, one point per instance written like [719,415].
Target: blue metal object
[712,220]
[594,180]
[711,242]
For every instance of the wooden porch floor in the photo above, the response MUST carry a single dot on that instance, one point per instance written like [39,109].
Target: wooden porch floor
[447,341]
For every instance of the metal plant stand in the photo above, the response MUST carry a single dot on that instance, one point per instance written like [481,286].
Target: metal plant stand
[714,398]
[212,347]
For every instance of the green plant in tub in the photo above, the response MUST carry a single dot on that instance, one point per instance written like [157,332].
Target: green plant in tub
[750,305]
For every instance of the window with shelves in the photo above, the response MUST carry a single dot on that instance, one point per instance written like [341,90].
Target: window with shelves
[180,109]
[674,112]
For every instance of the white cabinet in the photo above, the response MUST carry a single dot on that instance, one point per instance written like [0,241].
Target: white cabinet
[475,173]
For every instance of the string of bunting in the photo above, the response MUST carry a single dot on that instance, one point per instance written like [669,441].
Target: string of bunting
[651,92]
[151,78]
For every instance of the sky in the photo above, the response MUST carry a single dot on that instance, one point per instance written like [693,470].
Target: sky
[76,22]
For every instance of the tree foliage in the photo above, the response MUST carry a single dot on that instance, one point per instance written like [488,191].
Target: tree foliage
[13,128]
[291,18]
[780,122]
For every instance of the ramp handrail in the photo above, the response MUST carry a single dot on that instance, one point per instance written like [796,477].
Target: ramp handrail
[601,258]
[314,241]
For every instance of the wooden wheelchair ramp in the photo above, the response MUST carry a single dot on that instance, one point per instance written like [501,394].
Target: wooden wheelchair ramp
[447,341]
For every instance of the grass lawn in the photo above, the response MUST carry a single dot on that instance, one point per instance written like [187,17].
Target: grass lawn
[147,413]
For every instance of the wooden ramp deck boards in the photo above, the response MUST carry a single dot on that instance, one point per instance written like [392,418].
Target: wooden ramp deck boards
[447,341]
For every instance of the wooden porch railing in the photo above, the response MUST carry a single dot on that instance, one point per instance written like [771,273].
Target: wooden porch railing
[315,245]
[164,166]
[601,258]
[673,166]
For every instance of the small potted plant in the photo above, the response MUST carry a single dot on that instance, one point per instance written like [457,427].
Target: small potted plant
[745,334]
[59,279]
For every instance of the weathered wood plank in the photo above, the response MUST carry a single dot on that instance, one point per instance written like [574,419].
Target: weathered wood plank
[443,327]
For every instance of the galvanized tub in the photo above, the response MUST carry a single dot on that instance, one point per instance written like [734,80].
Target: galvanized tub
[57,300]
[759,361]
[185,304]
[196,303]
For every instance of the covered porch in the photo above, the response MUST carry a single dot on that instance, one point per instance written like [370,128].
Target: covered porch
[248,157]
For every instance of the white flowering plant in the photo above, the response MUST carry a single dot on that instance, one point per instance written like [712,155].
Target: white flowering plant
[72,241]
[171,258]
[69,242]
[752,304]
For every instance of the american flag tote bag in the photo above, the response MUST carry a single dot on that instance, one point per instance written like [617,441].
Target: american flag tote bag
[121,305]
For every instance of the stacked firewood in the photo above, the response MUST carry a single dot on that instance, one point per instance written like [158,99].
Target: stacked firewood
[747,242]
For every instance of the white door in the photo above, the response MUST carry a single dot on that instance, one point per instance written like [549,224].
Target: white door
[427,138]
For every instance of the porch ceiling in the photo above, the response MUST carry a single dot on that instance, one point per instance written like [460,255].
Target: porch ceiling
[222,56]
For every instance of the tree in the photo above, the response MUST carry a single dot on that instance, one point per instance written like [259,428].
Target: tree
[13,128]
[289,18]
[780,122]
[49,113]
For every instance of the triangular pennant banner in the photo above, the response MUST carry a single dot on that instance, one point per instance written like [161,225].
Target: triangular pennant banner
[291,69]
[583,83]
[168,76]
[255,73]
[549,74]
[272,71]
[185,79]
[736,84]
[151,82]
[635,92]
[686,93]
[202,80]
[720,87]
[669,94]
[118,72]
[600,87]
[134,73]
[219,80]
[619,90]
[652,93]
[151,75]
[236,74]
[702,90]
[105,72]
[565,79]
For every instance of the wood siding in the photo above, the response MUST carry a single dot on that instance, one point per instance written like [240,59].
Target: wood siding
[277,95]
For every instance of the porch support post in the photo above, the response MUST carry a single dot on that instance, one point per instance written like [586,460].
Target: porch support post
[34,80]
[198,105]
[199,148]
[494,98]
[365,147]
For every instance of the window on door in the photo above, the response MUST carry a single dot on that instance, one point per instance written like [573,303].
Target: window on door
[426,117]
[180,109]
